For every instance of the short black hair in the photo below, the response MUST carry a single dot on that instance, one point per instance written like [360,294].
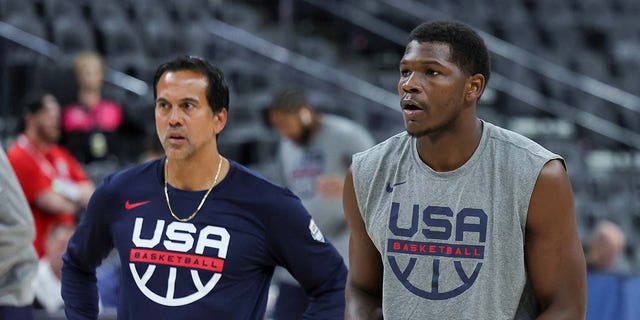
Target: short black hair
[31,103]
[468,50]
[217,89]
[288,100]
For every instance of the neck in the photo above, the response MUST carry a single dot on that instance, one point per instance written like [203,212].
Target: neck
[37,141]
[193,174]
[450,150]
[311,130]
[89,97]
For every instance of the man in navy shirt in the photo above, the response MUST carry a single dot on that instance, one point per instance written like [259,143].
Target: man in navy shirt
[198,235]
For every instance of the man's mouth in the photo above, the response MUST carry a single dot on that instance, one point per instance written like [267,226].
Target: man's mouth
[410,108]
[176,138]
[408,104]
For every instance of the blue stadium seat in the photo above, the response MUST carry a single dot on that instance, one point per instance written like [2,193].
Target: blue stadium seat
[149,10]
[61,9]
[106,10]
[191,10]
[123,48]
[11,7]
[73,35]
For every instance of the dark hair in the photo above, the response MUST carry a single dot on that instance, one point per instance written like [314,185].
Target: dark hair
[217,89]
[288,100]
[468,50]
[30,104]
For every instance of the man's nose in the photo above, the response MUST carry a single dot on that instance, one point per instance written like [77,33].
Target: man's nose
[175,117]
[410,85]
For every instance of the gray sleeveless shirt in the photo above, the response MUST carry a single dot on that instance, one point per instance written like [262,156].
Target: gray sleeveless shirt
[452,243]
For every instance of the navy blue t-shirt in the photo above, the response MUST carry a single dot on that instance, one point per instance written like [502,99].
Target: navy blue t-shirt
[216,266]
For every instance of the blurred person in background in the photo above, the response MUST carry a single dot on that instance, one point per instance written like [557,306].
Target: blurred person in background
[314,155]
[605,244]
[47,285]
[18,258]
[54,183]
[457,218]
[91,125]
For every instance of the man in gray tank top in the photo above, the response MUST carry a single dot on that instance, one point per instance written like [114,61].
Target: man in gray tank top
[457,218]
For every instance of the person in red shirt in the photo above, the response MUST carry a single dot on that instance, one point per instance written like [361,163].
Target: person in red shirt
[53,182]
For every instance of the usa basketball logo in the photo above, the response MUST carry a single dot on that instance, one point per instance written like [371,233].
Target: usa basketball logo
[453,253]
[168,248]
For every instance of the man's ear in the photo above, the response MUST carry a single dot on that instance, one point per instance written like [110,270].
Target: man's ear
[305,115]
[474,87]
[221,117]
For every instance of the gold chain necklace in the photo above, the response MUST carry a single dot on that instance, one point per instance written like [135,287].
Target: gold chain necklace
[166,193]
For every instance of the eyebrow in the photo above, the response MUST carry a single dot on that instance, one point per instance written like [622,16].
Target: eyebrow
[422,62]
[187,99]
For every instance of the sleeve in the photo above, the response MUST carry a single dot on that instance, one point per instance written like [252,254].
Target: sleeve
[90,244]
[299,246]
[32,181]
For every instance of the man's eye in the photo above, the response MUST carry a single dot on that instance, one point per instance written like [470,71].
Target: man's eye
[405,73]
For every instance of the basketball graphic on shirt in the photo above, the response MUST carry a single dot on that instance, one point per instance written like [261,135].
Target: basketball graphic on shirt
[161,256]
[448,247]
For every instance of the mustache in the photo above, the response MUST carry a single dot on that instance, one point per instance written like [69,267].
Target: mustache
[172,132]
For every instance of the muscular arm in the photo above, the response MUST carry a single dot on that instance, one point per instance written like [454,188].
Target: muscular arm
[364,282]
[555,260]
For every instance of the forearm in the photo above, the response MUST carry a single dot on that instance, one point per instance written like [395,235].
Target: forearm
[362,305]
[562,311]
[54,203]
[327,301]
[80,293]
[560,315]
[328,306]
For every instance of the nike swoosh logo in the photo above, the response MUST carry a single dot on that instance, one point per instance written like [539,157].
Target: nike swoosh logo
[390,187]
[128,205]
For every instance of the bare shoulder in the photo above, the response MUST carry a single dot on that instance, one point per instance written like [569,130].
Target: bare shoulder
[554,170]
[552,196]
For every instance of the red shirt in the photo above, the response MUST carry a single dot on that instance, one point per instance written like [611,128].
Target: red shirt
[36,171]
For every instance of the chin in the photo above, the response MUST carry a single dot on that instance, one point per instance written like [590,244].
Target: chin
[176,154]
[414,130]
[418,134]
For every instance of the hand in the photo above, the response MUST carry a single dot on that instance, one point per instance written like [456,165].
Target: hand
[67,189]
[330,186]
